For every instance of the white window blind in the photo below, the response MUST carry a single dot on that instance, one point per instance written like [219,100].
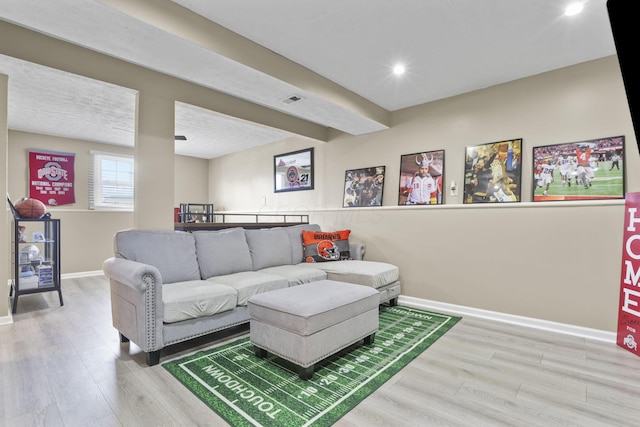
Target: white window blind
[111,183]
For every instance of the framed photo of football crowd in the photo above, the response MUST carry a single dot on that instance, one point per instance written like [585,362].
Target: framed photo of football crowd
[363,187]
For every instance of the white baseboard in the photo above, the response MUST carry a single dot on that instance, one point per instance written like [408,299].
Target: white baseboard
[81,274]
[562,328]
[6,320]
[545,325]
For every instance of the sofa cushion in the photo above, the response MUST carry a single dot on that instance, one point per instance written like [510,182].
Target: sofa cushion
[295,236]
[222,252]
[173,253]
[368,273]
[321,246]
[196,298]
[249,283]
[269,247]
[297,275]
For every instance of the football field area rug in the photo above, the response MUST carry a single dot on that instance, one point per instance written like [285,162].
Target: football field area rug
[248,391]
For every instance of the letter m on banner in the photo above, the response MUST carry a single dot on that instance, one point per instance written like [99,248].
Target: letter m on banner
[629,306]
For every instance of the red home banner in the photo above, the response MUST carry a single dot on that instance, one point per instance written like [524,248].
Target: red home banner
[629,306]
[51,177]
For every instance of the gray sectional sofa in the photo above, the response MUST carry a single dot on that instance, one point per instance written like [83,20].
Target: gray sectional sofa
[172,286]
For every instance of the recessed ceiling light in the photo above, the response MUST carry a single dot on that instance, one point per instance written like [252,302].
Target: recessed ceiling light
[573,9]
[398,69]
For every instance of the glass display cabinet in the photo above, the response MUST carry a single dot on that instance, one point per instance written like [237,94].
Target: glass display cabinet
[36,257]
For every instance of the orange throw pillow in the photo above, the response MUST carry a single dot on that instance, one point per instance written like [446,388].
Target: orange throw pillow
[321,246]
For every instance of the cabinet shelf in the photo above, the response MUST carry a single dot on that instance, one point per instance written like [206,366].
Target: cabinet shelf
[34,263]
[35,269]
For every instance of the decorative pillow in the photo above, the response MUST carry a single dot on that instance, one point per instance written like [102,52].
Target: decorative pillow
[320,246]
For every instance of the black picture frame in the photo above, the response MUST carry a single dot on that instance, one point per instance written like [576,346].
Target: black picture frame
[415,189]
[363,187]
[583,170]
[293,171]
[493,172]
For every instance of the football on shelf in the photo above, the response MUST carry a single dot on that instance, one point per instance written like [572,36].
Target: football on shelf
[29,253]
[30,208]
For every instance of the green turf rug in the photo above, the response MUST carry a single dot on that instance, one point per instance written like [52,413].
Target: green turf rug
[248,391]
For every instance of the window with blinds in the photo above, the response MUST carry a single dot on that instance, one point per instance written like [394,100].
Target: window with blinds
[111,183]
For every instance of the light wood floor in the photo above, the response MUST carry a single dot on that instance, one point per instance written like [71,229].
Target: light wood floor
[66,367]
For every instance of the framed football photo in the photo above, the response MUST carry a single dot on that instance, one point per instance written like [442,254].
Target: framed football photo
[293,171]
[584,170]
[421,176]
[363,187]
[492,172]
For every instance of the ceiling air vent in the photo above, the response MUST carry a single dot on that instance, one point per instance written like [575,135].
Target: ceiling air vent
[292,99]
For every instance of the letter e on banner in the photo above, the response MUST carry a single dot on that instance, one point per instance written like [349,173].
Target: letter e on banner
[629,306]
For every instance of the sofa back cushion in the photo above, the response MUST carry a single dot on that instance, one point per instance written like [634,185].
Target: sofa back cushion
[295,236]
[269,247]
[222,252]
[173,253]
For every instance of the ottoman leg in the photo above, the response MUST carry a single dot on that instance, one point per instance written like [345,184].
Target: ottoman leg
[305,373]
[260,353]
[370,339]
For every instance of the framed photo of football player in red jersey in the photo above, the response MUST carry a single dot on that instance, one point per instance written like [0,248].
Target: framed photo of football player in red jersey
[583,170]
[293,171]
[421,178]
[363,187]
[492,172]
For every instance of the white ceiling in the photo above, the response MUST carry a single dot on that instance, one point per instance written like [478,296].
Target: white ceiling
[449,48]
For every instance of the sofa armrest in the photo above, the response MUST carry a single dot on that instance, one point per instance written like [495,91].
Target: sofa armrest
[136,301]
[131,273]
[357,250]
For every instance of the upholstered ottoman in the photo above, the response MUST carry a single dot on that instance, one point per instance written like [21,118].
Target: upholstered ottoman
[307,323]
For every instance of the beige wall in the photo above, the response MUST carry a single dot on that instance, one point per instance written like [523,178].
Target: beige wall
[191,180]
[553,261]
[557,262]
[87,235]
[244,181]
[152,86]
